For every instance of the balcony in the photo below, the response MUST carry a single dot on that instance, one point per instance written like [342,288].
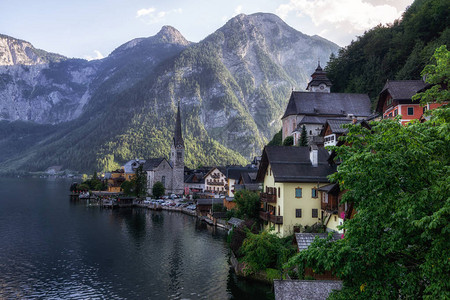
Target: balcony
[271,218]
[268,198]
[329,206]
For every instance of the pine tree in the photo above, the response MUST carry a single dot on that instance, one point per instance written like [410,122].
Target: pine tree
[303,140]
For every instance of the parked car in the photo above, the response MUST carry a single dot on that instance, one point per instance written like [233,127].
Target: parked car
[147,201]
[192,207]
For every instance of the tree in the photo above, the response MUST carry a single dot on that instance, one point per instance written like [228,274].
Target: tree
[158,189]
[247,204]
[140,181]
[277,139]
[438,75]
[303,141]
[127,187]
[288,141]
[398,179]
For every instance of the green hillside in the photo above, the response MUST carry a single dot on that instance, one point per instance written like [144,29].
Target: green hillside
[395,52]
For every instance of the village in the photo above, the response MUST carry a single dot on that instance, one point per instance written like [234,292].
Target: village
[290,181]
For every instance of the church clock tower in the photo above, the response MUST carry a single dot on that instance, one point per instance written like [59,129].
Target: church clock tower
[319,82]
[177,157]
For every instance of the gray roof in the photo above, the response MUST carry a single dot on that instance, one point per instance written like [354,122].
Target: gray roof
[235,172]
[334,187]
[292,164]
[305,289]
[306,239]
[399,90]
[329,104]
[235,221]
[152,163]
[209,201]
[403,89]
[336,125]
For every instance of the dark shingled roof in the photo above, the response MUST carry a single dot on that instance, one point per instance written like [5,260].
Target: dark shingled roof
[293,164]
[399,90]
[235,172]
[336,125]
[403,89]
[330,104]
[334,187]
[152,163]
[305,289]
[306,239]
[209,201]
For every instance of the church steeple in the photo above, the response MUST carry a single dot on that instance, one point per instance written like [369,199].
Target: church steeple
[178,136]
[177,157]
[319,81]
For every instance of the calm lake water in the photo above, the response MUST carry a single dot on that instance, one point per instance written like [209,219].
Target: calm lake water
[51,248]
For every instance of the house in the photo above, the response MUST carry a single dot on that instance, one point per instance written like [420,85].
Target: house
[194,181]
[291,177]
[333,129]
[115,181]
[233,175]
[396,99]
[204,206]
[169,172]
[130,167]
[313,107]
[216,180]
[247,181]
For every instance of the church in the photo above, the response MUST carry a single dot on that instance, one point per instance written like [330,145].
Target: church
[313,107]
[169,172]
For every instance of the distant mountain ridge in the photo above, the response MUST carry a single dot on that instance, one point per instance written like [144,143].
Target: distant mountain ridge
[233,87]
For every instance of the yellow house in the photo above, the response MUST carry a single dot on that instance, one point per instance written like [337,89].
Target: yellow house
[291,178]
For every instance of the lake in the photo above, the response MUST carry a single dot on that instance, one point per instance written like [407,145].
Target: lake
[52,248]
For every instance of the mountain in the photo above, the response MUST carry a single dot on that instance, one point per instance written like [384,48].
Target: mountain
[233,87]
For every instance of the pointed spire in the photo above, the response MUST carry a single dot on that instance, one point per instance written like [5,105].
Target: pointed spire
[178,137]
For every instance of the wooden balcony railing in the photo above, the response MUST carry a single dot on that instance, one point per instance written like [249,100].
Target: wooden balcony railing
[266,216]
[268,198]
[330,206]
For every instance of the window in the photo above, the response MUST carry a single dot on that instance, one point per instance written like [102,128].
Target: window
[279,193]
[395,112]
[315,213]
[410,111]
[163,181]
[314,193]
[298,213]
[298,193]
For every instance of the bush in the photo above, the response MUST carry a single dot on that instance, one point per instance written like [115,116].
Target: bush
[158,190]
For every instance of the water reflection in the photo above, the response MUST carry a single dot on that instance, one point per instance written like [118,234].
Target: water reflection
[54,248]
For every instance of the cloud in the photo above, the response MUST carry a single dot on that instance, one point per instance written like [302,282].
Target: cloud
[97,53]
[237,10]
[151,15]
[349,15]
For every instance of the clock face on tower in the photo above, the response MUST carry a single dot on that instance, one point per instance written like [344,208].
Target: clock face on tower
[321,87]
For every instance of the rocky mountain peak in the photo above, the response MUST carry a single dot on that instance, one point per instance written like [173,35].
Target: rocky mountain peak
[18,52]
[169,34]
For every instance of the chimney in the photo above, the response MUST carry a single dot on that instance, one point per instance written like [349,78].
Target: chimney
[314,155]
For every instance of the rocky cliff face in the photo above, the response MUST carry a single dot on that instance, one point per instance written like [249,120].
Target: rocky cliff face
[233,87]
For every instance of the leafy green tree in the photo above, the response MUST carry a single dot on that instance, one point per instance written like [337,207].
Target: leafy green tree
[303,141]
[288,141]
[128,188]
[247,204]
[277,139]
[398,179]
[158,189]
[438,75]
[265,250]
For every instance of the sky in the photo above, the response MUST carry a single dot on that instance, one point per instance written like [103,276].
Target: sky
[92,29]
